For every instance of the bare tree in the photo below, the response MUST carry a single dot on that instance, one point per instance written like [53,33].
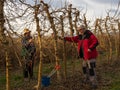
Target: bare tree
[71,33]
[46,8]
[38,87]
[64,47]
[119,38]
[4,41]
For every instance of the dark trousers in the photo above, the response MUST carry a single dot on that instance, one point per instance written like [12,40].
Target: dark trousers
[89,70]
[28,69]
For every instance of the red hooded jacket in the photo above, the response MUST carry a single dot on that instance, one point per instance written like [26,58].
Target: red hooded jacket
[86,41]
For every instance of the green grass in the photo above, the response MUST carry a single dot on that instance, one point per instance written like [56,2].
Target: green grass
[108,73]
[115,85]
[17,77]
[2,80]
[116,81]
[111,74]
[17,80]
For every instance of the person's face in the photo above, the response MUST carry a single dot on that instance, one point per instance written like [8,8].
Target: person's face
[81,30]
[27,34]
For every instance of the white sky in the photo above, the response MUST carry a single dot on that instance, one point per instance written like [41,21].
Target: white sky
[97,8]
[93,8]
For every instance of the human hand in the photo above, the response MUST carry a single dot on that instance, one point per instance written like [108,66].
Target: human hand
[89,50]
[61,38]
[30,40]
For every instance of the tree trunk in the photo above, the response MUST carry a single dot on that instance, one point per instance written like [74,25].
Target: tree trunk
[71,34]
[2,21]
[85,21]
[7,72]
[119,39]
[116,41]
[64,49]
[76,20]
[96,25]
[46,8]
[109,39]
[39,84]
[102,40]
[4,41]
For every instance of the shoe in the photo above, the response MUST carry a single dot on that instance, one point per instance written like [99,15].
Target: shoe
[33,78]
[85,81]
[94,86]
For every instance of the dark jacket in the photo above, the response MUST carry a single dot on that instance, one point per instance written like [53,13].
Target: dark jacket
[30,47]
[85,42]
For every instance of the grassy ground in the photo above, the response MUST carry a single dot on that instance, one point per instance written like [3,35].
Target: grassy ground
[108,76]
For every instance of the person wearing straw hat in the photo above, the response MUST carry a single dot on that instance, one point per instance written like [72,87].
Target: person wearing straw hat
[28,49]
[87,43]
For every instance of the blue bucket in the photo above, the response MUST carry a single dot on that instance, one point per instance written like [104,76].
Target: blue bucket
[45,81]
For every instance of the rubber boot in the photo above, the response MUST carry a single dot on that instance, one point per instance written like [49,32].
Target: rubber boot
[86,79]
[93,82]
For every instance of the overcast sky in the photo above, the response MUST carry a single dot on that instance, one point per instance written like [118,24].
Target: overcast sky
[93,8]
[97,8]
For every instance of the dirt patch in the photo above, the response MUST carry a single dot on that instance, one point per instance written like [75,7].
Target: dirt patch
[107,75]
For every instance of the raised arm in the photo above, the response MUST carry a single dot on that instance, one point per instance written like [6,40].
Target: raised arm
[72,39]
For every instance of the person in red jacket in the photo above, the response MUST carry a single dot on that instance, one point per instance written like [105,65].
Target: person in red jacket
[87,43]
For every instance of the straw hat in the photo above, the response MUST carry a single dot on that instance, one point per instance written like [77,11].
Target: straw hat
[26,31]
